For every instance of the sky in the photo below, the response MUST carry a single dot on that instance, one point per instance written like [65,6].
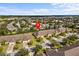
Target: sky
[39,8]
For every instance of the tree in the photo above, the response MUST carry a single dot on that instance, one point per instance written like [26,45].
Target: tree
[69,40]
[55,45]
[32,29]
[39,51]
[73,38]
[40,40]
[49,38]
[30,43]
[17,45]
[72,26]
[63,34]
[3,31]
[22,52]
[3,42]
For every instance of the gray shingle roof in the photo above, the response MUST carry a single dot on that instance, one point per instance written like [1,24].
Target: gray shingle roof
[45,32]
[12,38]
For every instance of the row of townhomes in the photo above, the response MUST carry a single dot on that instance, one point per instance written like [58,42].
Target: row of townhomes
[58,35]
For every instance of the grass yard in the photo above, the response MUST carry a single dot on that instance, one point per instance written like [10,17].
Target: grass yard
[17,46]
[3,49]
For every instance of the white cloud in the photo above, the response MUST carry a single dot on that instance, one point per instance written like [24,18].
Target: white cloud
[56,9]
[15,11]
[67,8]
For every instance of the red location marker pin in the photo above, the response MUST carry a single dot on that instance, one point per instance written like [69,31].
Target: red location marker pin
[37,25]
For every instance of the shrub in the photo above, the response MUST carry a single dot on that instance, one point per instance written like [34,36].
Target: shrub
[69,40]
[3,42]
[39,51]
[55,44]
[40,40]
[16,47]
[22,52]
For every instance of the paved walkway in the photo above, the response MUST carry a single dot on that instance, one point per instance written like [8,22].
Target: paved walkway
[10,47]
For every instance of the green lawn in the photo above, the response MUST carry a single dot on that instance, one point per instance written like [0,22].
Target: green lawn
[3,49]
